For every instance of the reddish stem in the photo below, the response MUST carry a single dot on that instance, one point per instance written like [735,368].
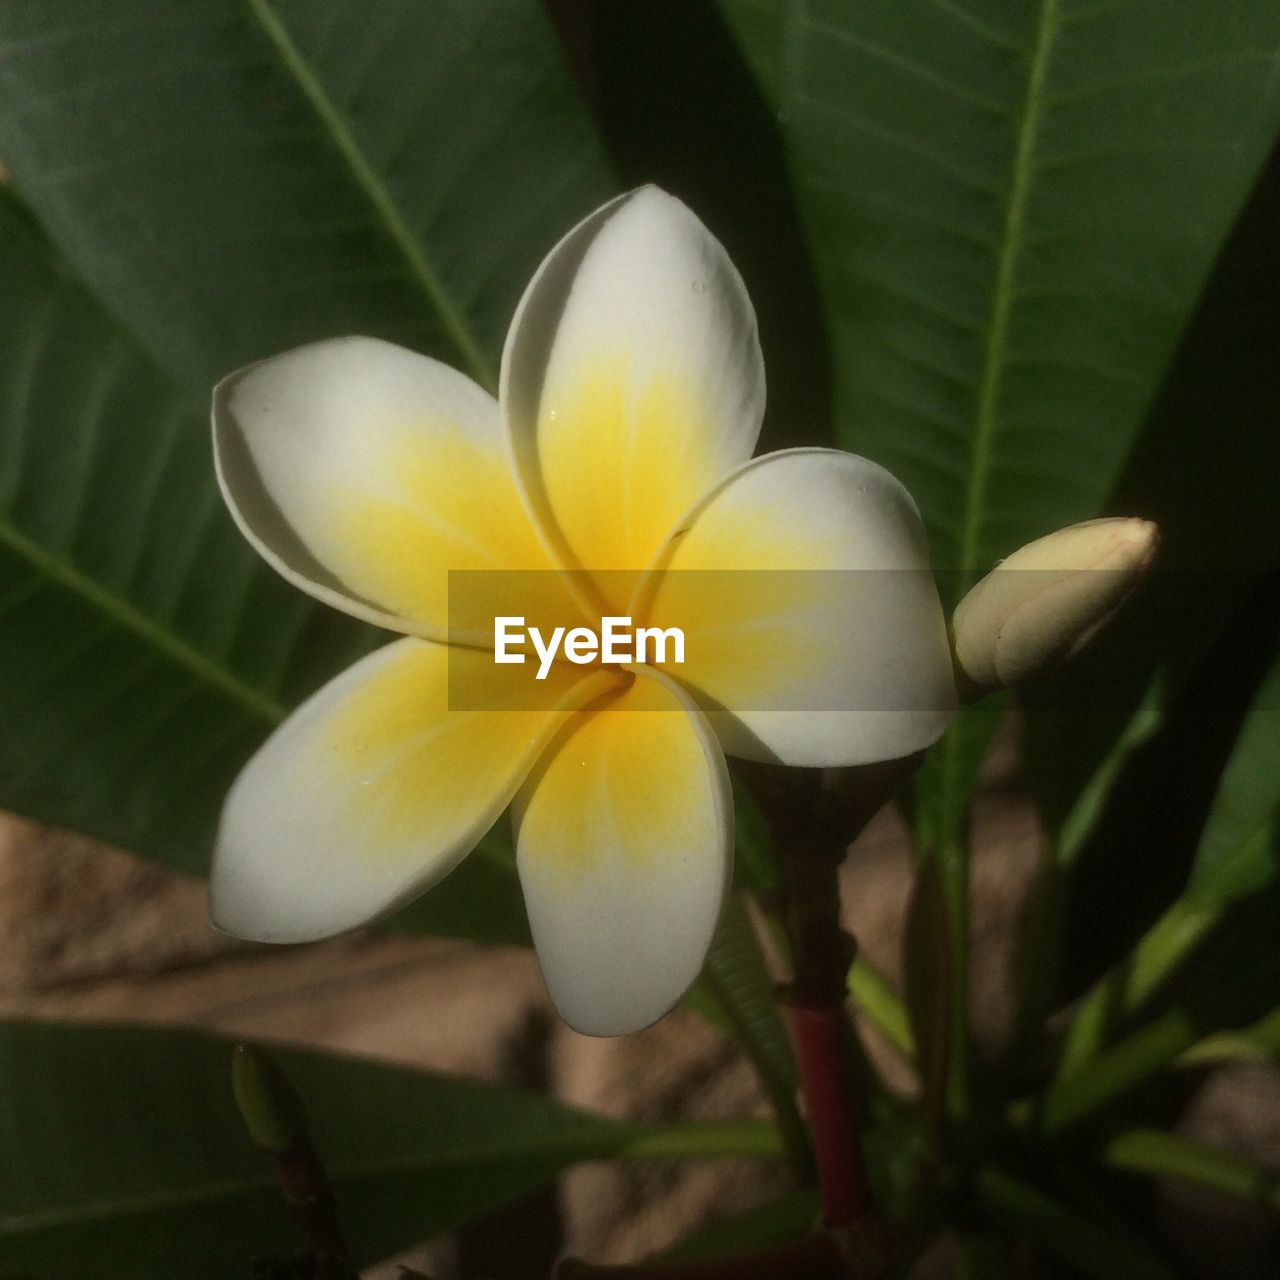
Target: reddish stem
[818,1035]
[814,819]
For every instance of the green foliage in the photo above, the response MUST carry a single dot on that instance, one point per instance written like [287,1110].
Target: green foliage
[145,648]
[1011,209]
[758,1228]
[234,179]
[131,1153]
[1238,855]
[1239,851]
[229,181]
[1205,451]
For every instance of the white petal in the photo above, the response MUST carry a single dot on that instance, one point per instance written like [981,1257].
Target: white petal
[625,847]
[365,473]
[813,630]
[632,380]
[374,789]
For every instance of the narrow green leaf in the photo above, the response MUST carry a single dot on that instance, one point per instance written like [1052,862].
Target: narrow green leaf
[931,993]
[1071,1234]
[755,860]
[945,783]
[737,990]
[235,178]
[876,999]
[1239,851]
[1229,988]
[1168,1155]
[737,975]
[1257,1043]
[1238,854]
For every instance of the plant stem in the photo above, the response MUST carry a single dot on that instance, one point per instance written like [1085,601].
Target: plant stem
[1162,1154]
[819,1027]
[812,838]
[819,1035]
[954,868]
[309,1195]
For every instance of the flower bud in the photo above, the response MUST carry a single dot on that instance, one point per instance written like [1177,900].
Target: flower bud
[269,1104]
[1047,600]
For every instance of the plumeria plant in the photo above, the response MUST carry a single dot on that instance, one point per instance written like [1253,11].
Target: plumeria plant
[508,608]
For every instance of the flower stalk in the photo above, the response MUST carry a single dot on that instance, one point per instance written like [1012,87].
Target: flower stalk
[274,1115]
[814,820]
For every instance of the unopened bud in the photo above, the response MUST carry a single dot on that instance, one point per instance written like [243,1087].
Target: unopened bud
[1047,600]
[269,1104]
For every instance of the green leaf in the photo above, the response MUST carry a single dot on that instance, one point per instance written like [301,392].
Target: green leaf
[1168,1155]
[481,899]
[755,860]
[931,994]
[141,1164]
[235,177]
[760,1228]
[1239,851]
[1229,988]
[144,648]
[737,992]
[875,997]
[1099,735]
[1202,452]
[1012,208]
[231,178]
[1079,1237]
[1238,855]
[736,974]
[940,791]
[1257,1043]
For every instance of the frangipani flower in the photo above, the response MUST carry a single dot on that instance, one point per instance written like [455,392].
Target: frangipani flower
[630,399]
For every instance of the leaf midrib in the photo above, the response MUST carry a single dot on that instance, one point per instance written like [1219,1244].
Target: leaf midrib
[119,611]
[375,190]
[995,353]
[605,1140]
[221,1190]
